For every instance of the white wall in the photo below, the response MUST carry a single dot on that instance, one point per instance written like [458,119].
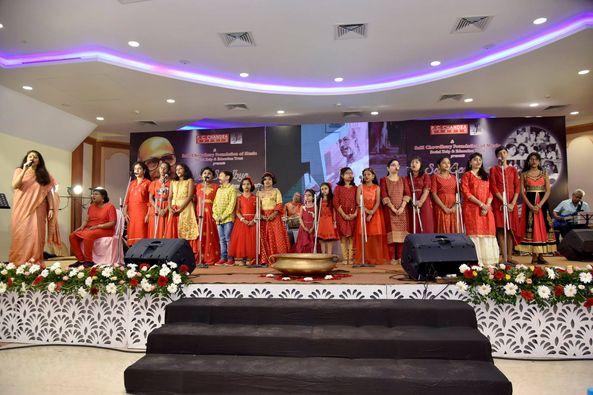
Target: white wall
[579,152]
[58,162]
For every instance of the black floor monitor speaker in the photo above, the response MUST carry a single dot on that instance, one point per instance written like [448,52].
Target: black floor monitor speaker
[159,251]
[577,245]
[427,255]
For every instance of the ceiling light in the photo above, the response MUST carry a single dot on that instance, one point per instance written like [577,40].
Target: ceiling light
[538,116]
[534,105]
[100,119]
[528,116]
[539,21]
[468,100]
[134,44]
[583,72]
[338,79]
[374,112]
[27,87]
[1,26]
[170,101]
[574,113]
[280,112]
[435,63]
[244,75]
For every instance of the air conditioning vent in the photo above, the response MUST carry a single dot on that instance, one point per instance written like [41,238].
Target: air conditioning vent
[236,106]
[451,96]
[148,123]
[238,39]
[471,24]
[350,31]
[352,114]
[558,107]
[131,1]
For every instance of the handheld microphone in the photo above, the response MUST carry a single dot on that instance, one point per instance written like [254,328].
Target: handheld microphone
[28,164]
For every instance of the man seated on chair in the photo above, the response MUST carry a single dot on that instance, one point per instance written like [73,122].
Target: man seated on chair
[100,222]
[565,212]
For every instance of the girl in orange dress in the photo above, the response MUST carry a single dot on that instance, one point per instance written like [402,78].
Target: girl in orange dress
[326,228]
[182,217]
[306,238]
[419,182]
[273,236]
[536,222]
[477,213]
[242,244]
[376,251]
[395,196]
[444,192]
[345,205]
[158,194]
[136,204]
[210,241]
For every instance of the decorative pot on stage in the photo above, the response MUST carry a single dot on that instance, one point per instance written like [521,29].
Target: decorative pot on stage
[304,264]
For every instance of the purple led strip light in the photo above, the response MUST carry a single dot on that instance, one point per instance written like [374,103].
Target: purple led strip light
[561,30]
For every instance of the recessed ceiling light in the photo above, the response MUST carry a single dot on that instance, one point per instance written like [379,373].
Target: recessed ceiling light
[280,112]
[574,113]
[539,21]
[170,101]
[134,44]
[374,112]
[27,87]
[338,104]
[338,79]
[583,72]
[534,105]
[244,75]
[468,100]
[1,26]
[100,119]
[435,63]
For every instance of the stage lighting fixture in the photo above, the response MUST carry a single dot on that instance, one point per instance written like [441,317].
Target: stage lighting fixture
[75,190]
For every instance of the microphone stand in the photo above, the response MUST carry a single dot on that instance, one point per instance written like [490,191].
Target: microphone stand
[257,219]
[316,214]
[201,210]
[121,207]
[363,226]
[459,212]
[158,203]
[505,212]
[415,208]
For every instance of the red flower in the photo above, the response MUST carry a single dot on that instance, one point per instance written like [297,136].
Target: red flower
[94,291]
[527,295]
[9,282]
[146,265]
[93,271]
[468,274]
[558,290]
[133,282]
[162,281]
[498,275]
[539,272]
[183,268]
[59,285]
[37,280]
[588,303]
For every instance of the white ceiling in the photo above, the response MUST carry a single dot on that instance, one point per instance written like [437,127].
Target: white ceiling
[294,46]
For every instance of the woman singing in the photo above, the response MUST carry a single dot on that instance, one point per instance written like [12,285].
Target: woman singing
[274,239]
[419,182]
[395,195]
[443,190]
[205,194]
[182,221]
[33,206]
[136,204]
[158,194]
[345,205]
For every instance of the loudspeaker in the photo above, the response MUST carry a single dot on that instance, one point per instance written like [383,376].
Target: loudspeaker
[577,245]
[427,255]
[159,251]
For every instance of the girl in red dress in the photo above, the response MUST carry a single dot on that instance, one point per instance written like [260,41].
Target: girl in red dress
[274,239]
[326,228]
[536,222]
[210,241]
[419,182]
[136,204]
[395,196]
[375,249]
[306,237]
[158,194]
[477,213]
[511,179]
[444,192]
[345,205]
[242,244]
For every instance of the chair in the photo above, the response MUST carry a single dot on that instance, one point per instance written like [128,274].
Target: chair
[110,250]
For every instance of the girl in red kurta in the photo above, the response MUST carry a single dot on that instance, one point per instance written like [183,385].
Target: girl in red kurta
[326,228]
[100,222]
[477,213]
[346,211]
[136,204]
[375,249]
[274,239]
[395,195]
[419,182]
[444,192]
[306,238]
[158,194]
[511,179]
[210,241]
[243,241]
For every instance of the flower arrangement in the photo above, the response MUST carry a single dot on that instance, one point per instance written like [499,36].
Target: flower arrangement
[160,280]
[544,286]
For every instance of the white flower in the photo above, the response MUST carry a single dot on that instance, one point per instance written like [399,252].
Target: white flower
[484,289]
[585,277]
[461,286]
[55,266]
[88,281]
[2,265]
[80,275]
[285,278]
[172,288]
[544,292]
[581,287]
[10,266]
[463,268]
[570,290]
[589,267]
[132,265]
[144,282]
[521,267]
[131,273]
[20,270]
[110,288]
[82,292]
[328,277]
[477,268]
[144,268]
[58,271]
[172,265]
[51,287]
[45,273]
[164,271]
[502,266]
[176,278]
[73,272]
[520,279]
[2,287]
[65,278]
[269,275]
[34,268]
[107,272]
[510,289]
[308,279]
[551,273]
[4,272]
[147,287]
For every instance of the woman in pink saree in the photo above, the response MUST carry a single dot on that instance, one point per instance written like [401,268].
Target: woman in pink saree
[33,207]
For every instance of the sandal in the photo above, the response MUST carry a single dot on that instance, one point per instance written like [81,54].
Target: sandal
[541,260]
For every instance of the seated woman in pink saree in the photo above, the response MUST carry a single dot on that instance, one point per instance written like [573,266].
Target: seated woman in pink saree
[33,206]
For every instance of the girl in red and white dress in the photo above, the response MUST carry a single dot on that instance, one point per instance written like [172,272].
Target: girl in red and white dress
[158,195]
[242,245]
[136,204]
[326,228]
[306,237]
